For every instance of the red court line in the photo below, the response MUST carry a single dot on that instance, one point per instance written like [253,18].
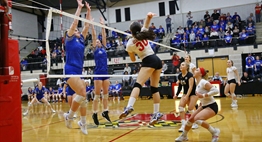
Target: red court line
[42,126]
[124,134]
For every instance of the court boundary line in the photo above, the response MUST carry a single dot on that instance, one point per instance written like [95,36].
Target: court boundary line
[130,131]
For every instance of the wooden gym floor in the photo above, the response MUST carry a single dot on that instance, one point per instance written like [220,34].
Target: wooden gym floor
[239,125]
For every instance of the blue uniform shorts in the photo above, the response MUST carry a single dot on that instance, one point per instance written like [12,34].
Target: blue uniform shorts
[101,78]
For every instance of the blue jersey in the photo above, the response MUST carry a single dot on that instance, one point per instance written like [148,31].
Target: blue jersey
[258,64]
[74,54]
[100,56]
[60,90]
[117,87]
[30,91]
[111,88]
[89,89]
[50,91]
[40,93]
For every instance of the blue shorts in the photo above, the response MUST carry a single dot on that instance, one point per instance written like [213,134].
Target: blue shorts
[101,78]
[70,91]
[71,70]
[39,97]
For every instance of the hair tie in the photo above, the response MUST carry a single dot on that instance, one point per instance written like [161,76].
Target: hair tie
[203,72]
[137,32]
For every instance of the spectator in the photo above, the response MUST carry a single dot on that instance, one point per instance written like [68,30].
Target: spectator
[133,78]
[246,78]
[215,16]
[201,29]
[125,80]
[152,27]
[127,69]
[221,33]
[258,11]
[180,30]
[229,25]
[206,16]
[215,26]
[202,23]
[207,31]
[205,40]
[251,15]
[237,21]
[258,66]
[44,64]
[250,67]
[117,91]
[249,20]
[84,72]
[250,29]
[228,39]
[161,32]
[236,32]
[164,67]
[114,34]
[209,23]
[176,62]
[235,16]
[23,64]
[120,49]
[189,19]
[54,58]
[243,36]
[192,36]
[168,24]
[217,77]
[229,31]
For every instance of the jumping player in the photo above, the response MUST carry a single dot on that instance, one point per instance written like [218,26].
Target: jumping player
[74,44]
[151,66]
[103,83]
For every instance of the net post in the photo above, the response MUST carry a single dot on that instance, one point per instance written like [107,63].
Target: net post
[48,28]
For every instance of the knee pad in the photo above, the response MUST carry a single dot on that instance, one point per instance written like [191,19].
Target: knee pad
[153,89]
[188,123]
[83,104]
[199,122]
[105,96]
[137,85]
[79,99]
[96,97]
[181,109]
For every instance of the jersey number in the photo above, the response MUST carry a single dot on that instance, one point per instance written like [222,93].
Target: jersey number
[142,44]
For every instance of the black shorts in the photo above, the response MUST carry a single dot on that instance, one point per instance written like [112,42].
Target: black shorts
[152,61]
[231,81]
[213,106]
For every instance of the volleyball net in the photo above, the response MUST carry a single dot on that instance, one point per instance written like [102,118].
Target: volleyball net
[59,21]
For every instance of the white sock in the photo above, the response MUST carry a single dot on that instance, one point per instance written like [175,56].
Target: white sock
[71,114]
[183,121]
[105,109]
[184,133]
[211,129]
[131,101]
[83,119]
[156,107]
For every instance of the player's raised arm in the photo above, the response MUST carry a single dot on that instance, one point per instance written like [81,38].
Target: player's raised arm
[73,27]
[88,15]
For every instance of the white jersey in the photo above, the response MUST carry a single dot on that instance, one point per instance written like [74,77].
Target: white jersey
[231,72]
[191,66]
[141,48]
[201,89]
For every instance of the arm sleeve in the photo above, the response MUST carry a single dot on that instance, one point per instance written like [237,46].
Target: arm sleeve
[213,91]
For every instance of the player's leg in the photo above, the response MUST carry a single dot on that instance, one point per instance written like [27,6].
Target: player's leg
[44,100]
[154,82]
[143,75]
[105,86]
[232,87]
[98,85]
